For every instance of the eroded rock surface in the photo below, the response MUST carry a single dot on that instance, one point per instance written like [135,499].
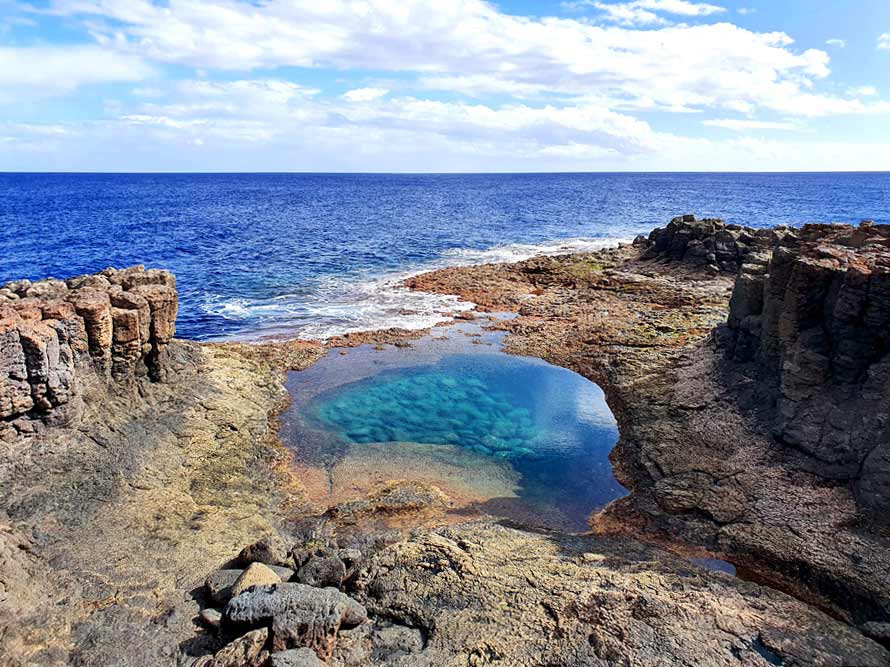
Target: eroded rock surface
[697,444]
[57,336]
[816,321]
[484,594]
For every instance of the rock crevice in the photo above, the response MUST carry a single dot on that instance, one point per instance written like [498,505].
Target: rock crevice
[58,336]
[815,322]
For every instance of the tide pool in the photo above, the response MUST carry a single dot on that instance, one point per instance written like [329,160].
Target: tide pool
[529,440]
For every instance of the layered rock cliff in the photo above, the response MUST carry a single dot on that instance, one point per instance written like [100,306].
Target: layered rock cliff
[714,244]
[816,321]
[57,337]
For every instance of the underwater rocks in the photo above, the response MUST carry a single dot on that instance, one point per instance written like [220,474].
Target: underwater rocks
[433,408]
[56,335]
[815,320]
[712,243]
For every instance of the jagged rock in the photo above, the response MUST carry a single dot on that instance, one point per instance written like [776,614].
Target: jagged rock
[61,330]
[712,243]
[300,615]
[246,651]
[256,574]
[271,550]
[295,657]
[815,322]
[322,571]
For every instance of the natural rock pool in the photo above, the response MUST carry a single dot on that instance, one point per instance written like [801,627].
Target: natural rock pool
[502,435]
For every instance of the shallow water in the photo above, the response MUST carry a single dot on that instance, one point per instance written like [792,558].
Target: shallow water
[503,435]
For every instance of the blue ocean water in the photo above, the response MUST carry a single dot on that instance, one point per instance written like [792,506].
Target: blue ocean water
[315,254]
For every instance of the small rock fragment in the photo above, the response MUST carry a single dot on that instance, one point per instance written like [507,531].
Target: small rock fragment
[322,571]
[211,617]
[246,651]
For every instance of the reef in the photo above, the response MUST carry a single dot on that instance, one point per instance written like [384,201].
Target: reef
[150,515]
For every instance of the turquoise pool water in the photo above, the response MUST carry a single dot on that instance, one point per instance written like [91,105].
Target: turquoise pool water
[551,426]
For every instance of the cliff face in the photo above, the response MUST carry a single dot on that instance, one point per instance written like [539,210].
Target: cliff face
[714,244]
[56,337]
[816,320]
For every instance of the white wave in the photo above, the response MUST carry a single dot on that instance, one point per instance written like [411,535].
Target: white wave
[336,305]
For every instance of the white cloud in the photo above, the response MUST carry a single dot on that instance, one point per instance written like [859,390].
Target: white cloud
[470,44]
[742,125]
[864,91]
[364,94]
[39,70]
[645,12]
[837,41]
[884,41]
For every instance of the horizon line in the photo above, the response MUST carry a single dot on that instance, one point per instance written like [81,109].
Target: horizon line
[427,173]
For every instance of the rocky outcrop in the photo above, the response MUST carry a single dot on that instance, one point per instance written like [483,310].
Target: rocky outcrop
[713,244]
[816,323]
[56,335]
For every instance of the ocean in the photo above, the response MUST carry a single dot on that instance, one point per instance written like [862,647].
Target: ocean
[312,255]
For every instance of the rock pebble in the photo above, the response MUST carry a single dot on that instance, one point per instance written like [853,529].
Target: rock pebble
[256,574]
[246,651]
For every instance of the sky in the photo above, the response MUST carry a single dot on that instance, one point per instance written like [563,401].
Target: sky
[444,85]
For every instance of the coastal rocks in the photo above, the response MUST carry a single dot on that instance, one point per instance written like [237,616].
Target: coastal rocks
[815,323]
[246,651]
[58,335]
[696,450]
[300,615]
[481,594]
[714,244]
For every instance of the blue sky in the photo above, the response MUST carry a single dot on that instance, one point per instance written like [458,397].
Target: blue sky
[444,85]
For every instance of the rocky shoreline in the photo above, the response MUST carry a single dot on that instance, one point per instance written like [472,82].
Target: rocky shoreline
[136,467]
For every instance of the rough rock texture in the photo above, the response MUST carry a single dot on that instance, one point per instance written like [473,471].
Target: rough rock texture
[696,448]
[114,521]
[56,336]
[816,321]
[301,616]
[712,243]
[246,651]
[484,594]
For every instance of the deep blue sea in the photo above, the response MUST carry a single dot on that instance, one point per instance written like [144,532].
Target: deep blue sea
[260,255]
